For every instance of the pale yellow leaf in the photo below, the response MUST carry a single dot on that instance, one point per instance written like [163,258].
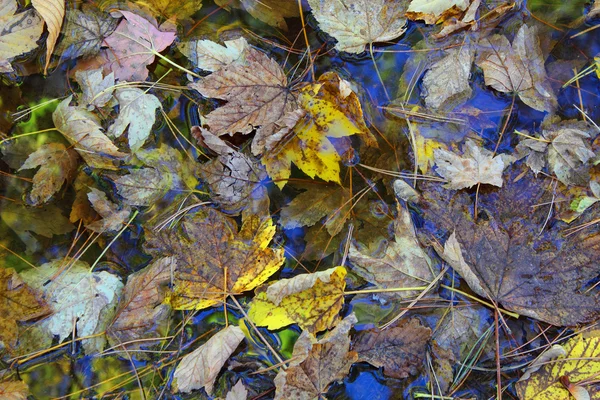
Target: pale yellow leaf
[53,12]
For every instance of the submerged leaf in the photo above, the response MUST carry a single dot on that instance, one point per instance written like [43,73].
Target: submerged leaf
[271,12]
[211,56]
[172,10]
[97,90]
[18,32]
[14,390]
[113,216]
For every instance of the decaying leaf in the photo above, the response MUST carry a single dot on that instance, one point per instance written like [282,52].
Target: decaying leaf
[478,165]
[400,350]
[312,301]
[14,390]
[78,298]
[113,216]
[53,13]
[578,363]
[19,303]
[142,187]
[237,392]
[446,83]
[355,24]
[200,368]
[214,259]
[316,364]
[97,90]
[141,313]
[84,131]
[18,32]
[432,11]
[211,56]
[132,47]
[137,112]
[507,259]
[403,264]
[256,92]
[565,148]
[517,68]
[271,12]
[172,10]
[57,164]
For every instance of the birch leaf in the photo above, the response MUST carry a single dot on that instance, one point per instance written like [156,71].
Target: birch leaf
[355,24]
[53,13]
[200,368]
[18,32]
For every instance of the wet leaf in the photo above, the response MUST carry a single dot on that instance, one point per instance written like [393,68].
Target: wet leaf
[256,92]
[312,301]
[132,47]
[20,303]
[214,259]
[211,56]
[517,68]
[57,165]
[97,90]
[432,11]
[400,350]
[172,10]
[271,12]
[477,165]
[18,33]
[53,13]
[577,364]
[137,112]
[14,390]
[355,24]
[316,364]
[507,259]
[237,392]
[84,131]
[200,368]
[78,297]
[113,216]
[141,313]
[552,353]
[142,187]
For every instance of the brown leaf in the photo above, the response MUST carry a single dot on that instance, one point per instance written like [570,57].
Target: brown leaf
[53,12]
[271,12]
[14,390]
[400,350]
[113,216]
[316,364]
[18,32]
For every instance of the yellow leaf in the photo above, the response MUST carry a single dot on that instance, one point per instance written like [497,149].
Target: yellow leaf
[53,12]
[425,152]
[580,363]
[312,301]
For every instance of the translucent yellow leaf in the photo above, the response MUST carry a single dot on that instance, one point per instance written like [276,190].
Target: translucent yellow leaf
[425,152]
[53,13]
[312,301]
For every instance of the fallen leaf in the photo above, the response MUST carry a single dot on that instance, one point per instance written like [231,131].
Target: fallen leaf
[137,112]
[426,151]
[84,32]
[433,11]
[517,68]
[200,368]
[446,82]
[113,216]
[550,354]
[404,191]
[214,259]
[211,56]
[84,131]
[478,165]
[14,390]
[141,313]
[19,303]
[96,90]
[400,349]
[316,364]
[18,32]
[271,12]
[565,148]
[312,301]
[132,47]
[355,24]
[142,187]
[403,263]
[579,363]
[53,13]
[78,297]
[82,208]
[57,165]
[237,392]
[172,10]
[507,257]
[256,92]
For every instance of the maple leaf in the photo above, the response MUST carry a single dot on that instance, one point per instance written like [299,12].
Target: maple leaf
[141,313]
[400,350]
[564,147]
[517,68]
[53,13]
[433,11]
[355,24]
[18,32]
[19,303]
[256,92]
[200,368]
[142,187]
[132,46]
[477,165]
[504,257]
[316,364]
[113,216]
[76,294]
[84,131]
[57,164]
[271,12]
[312,301]
[84,32]
[214,259]
[14,390]
[211,56]
[137,112]
[403,264]
[237,392]
[97,90]
[172,10]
